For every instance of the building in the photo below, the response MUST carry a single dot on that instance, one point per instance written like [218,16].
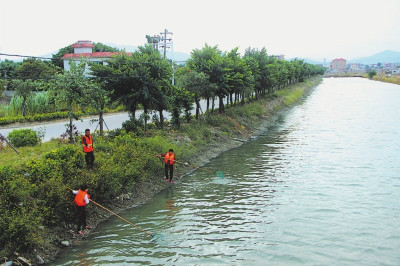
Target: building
[354,67]
[84,49]
[279,57]
[338,65]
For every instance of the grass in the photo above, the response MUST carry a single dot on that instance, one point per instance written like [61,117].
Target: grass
[384,78]
[237,120]
[10,158]
[293,93]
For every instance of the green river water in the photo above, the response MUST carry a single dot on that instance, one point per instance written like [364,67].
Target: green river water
[320,187]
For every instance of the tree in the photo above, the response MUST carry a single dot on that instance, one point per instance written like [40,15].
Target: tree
[181,98]
[2,87]
[140,78]
[259,69]
[195,82]
[7,69]
[35,69]
[57,58]
[24,88]
[371,73]
[7,74]
[158,83]
[238,77]
[99,96]
[73,87]
[209,61]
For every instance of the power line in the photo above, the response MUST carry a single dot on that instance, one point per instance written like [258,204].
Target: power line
[26,56]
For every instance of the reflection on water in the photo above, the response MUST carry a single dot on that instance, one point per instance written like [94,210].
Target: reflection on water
[320,187]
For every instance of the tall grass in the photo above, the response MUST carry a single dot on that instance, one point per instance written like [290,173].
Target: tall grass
[36,103]
[384,78]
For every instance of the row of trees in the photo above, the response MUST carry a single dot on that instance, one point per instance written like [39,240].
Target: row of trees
[143,78]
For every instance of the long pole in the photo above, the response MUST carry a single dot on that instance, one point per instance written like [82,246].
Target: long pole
[11,145]
[165,43]
[123,219]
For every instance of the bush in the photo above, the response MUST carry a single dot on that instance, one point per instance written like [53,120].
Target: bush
[371,73]
[23,137]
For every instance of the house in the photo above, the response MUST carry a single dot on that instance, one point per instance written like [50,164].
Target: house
[354,67]
[84,49]
[338,65]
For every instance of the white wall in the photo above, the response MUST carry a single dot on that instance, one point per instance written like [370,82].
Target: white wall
[77,61]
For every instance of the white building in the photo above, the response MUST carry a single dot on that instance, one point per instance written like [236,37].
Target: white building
[84,49]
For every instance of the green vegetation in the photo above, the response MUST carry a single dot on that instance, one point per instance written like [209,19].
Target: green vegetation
[388,78]
[143,79]
[371,73]
[35,194]
[23,137]
[34,197]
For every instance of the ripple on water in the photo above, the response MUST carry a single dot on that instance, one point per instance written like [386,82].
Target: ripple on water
[319,188]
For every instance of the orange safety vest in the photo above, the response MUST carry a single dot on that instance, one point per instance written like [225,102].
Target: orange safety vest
[89,142]
[79,198]
[169,158]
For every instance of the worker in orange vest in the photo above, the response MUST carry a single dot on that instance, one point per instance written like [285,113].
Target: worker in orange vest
[169,160]
[81,200]
[87,144]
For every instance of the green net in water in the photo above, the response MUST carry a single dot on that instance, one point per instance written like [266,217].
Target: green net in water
[220,174]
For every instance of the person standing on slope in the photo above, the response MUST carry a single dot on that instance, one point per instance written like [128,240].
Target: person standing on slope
[87,144]
[169,160]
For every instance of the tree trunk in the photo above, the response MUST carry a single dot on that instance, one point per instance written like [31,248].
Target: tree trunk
[212,105]
[231,97]
[221,104]
[132,109]
[70,123]
[197,108]
[161,118]
[208,103]
[70,129]
[145,119]
[101,123]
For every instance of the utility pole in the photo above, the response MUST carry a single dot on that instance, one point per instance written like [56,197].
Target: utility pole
[163,40]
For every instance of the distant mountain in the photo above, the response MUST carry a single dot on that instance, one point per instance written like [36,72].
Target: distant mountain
[313,62]
[307,60]
[387,56]
[174,56]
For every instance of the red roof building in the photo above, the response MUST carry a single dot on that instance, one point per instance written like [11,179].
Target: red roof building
[338,65]
[83,49]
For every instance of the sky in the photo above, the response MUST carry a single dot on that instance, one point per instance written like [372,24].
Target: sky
[313,29]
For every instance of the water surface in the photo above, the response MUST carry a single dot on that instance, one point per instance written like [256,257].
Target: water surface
[321,187]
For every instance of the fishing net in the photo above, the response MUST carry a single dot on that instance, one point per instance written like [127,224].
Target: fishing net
[220,174]
[157,237]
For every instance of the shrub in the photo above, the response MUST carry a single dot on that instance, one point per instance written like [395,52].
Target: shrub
[23,137]
[371,73]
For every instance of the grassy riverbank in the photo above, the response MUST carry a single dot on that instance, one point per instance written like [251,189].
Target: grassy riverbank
[384,78]
[395,79]
[36,207]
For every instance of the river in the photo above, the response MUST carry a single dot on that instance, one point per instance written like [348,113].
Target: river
[320,187]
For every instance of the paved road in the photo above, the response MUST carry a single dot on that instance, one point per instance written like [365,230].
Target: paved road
[56,129]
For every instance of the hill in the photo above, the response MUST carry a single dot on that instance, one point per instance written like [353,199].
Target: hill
[388,56]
